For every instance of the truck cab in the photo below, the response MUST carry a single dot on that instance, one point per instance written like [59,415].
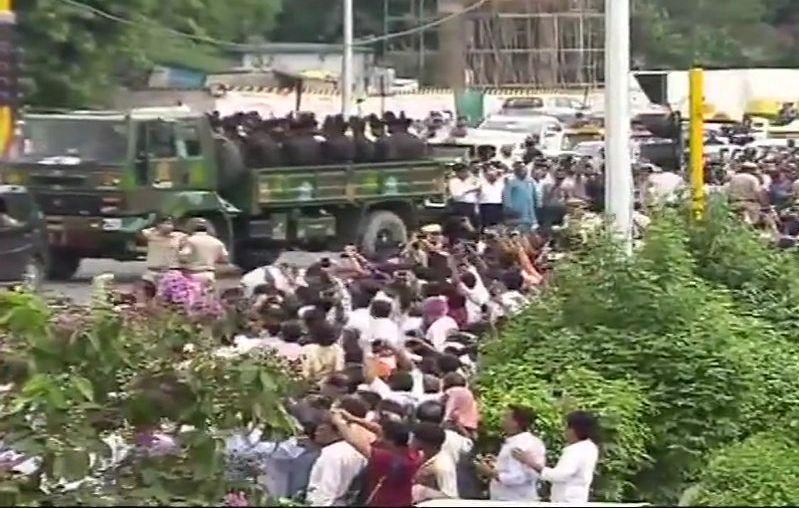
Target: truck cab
[101,177]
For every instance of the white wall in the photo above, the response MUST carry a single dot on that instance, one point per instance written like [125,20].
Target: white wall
[299,62]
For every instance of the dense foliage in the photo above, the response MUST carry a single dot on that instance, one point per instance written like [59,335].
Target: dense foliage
[74,57]
[711,369]
[147,379]
[761,471]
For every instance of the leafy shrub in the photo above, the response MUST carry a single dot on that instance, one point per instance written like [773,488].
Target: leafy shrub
[126,372]
[760,471]
[763,280]
[703,365]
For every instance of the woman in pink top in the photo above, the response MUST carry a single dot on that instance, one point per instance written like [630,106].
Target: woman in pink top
[460,406]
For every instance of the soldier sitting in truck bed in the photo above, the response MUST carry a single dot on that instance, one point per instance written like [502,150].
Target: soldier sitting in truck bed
[338,147]
[364,147]
[301,148]
[406,145]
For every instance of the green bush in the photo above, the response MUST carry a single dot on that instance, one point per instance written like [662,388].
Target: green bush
[763,280]
[712,375]
[760,471]
[80,375]
[620,405]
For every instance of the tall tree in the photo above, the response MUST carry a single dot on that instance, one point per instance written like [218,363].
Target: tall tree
[681,33]
[75,57]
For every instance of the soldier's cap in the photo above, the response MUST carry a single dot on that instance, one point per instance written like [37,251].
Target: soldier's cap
[749,166]
[431,229]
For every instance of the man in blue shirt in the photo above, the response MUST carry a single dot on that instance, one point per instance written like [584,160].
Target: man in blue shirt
[519,200]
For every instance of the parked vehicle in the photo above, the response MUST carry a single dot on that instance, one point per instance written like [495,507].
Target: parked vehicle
[102,177]
[565,108]
[23,244]
[548,129]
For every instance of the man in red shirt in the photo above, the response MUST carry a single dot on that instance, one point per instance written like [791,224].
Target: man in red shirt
[392,464]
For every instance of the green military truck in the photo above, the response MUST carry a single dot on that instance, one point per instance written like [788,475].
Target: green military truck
[102,177]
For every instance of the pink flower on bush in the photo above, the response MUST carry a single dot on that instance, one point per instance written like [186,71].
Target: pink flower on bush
[236,499]
[177,289]
[156,444]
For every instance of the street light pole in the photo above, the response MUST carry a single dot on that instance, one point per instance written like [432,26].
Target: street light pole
[618,170]
[346,62]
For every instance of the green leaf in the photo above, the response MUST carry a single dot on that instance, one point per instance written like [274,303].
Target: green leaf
[84,386]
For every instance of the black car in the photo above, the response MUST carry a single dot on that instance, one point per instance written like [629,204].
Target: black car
[23,242]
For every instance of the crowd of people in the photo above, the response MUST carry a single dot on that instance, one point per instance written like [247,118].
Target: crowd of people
[390,350]
[762,186]
[389,347]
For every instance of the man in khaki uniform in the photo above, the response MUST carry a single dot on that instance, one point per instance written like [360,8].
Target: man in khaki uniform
[201,253]
[745,192]
[163,247]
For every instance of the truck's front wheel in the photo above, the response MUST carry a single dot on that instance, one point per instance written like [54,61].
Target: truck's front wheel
[383,230]
[62,265]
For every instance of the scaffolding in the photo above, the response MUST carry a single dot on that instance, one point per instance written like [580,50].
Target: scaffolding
[530,43]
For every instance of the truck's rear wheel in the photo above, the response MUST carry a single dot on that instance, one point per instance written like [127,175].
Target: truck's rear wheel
[383,230]
[62,265]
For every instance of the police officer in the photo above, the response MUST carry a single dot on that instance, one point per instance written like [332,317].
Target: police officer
[163,247]
[201,252]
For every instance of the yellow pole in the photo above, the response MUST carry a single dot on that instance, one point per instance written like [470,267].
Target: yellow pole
[697,88]
[7,109]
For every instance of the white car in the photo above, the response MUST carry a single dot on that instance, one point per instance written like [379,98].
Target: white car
[548,129]
[563,107]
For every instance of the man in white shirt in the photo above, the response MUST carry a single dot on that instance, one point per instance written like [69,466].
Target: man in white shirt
[572,476]
[511,479]
[491,188]
[664,186]
[464,190]
[334,471]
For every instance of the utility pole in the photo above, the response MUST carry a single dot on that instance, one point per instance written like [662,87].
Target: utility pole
[697,88]
[9,75]
[346,61]
[618,170]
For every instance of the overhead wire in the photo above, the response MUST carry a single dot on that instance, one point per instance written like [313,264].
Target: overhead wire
[421,28]
[242,46]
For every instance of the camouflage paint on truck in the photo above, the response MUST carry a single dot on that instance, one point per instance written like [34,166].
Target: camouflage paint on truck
[164,161]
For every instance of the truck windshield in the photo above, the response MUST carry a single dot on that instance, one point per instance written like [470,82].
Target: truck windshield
[85,139]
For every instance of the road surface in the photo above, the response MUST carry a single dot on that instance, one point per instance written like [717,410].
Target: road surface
[125,274]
